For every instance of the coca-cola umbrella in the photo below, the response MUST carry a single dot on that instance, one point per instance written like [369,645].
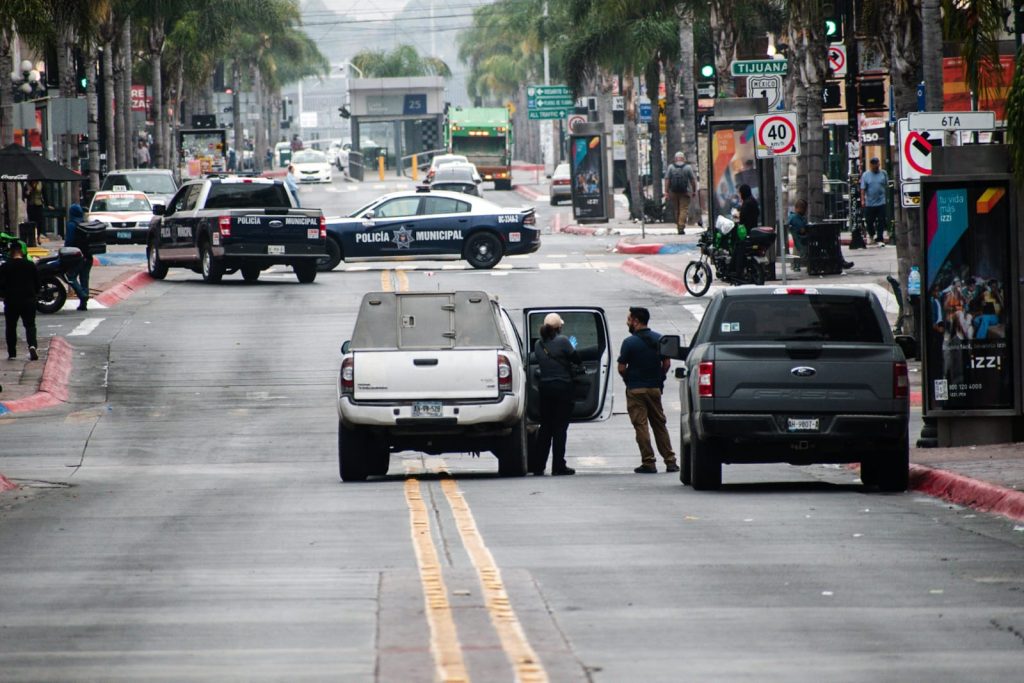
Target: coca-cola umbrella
[18,164]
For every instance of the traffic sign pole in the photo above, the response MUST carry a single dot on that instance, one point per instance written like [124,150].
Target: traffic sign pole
[779,216]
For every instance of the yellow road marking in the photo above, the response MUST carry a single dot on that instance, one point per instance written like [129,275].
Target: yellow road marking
[525,661]
[403,280]
[385,281]
[444,638]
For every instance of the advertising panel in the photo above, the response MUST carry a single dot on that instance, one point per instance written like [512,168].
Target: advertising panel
[733,163]
[587,177]
[968,324]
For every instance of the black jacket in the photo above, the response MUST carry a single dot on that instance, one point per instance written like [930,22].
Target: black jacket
[749,212]
[19,281]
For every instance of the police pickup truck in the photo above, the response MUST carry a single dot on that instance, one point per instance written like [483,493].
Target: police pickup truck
[444,372]
[798,375]
[217,226]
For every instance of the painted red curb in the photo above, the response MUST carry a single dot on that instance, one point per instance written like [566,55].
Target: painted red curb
[659,277]
[916,398]
[626,247]
[972,493]
[579,230]
[124,289]
[528,167]
[53,389]
[6,484]
[532,195]
[280,173]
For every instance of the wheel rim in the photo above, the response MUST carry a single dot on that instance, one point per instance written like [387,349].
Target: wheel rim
[206,263]
[152,259]
[48,293]
[483,250]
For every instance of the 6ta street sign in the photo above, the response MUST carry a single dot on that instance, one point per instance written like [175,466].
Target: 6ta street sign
[775,135]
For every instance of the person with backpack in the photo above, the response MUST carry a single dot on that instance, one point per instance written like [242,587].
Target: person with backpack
[19,284]
[680,187]
[643,369]
[73,237]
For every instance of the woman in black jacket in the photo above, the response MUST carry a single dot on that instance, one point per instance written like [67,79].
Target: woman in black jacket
[556,358]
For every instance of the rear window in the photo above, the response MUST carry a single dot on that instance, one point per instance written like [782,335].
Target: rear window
[426,321]
[152,183]
[247,196]
[798,318]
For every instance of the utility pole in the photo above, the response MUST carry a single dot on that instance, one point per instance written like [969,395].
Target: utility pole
[546,127]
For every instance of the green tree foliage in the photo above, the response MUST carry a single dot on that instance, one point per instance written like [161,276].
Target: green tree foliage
[402,62]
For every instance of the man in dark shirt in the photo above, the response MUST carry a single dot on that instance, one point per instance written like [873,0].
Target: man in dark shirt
[19,282]
[643,369]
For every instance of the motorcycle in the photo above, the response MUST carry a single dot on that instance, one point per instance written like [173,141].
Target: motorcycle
[716,249]
[53,274]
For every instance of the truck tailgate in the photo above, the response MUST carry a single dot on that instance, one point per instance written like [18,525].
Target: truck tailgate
[276,228]
[802,378]
[450,374]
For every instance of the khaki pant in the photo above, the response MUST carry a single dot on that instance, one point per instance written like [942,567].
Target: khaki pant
[679,205]
[644,406]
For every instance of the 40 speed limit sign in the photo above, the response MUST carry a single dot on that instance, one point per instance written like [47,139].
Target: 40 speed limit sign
[775,135]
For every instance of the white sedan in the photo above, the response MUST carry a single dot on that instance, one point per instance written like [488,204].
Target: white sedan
[126,215]
[311,166]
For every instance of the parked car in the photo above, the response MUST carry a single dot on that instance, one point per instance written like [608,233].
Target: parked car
[311,166]
[157,183]
[561,184]
[798,375]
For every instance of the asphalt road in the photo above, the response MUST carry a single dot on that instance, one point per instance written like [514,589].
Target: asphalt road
[183,520]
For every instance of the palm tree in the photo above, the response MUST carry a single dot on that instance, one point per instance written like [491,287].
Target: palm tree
[808,55]
[403,61]
[931,52]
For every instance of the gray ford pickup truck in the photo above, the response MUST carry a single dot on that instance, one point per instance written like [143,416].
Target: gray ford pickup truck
[795,375]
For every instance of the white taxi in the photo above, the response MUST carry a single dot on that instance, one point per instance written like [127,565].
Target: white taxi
[126,215]
[311,166]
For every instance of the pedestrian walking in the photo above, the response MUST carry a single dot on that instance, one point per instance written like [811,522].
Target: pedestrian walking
[35,202]
[643,369]
[680,186]
[874,184]
[142,154]
[78,278]
[292,184]
[19,283]
[557,360]
[796,224]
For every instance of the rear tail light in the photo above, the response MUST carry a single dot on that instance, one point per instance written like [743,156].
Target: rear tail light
[323,228]
[900,381]
[706,380]
[530,219]
[504,374]
[348,374]
[563,181]
[224,226]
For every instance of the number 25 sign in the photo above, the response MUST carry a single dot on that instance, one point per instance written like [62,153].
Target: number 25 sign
[775,135]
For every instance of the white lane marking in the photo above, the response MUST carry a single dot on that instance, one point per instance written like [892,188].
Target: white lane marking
[85,327]
[454,267]
[72,304]
[357,269]
[557,255]
[696,311]
[499,273]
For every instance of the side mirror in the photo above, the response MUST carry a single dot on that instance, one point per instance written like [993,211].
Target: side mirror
[908,345]
[671,346]
[159,210]
[548,176]
[368,216]
[346,347]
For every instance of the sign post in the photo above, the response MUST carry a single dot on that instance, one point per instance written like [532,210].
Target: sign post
[776,136]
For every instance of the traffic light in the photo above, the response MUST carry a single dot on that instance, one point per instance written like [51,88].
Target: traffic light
[345,113]
[834,21]
[707,71]
[83,83]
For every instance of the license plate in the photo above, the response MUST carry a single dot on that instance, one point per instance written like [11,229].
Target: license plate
[313,233]
[275,248]
[124,235]
[427,409]
[808,425]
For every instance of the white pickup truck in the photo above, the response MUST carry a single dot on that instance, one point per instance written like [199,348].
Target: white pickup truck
[448,372]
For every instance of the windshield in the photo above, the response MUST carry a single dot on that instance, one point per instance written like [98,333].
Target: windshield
[363,209]
[783,318]
[120,203]
[458,173]
[247,196]
[150,183]
[309,156]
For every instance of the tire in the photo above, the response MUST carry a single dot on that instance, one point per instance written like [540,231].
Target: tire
[380,458]
[52,294]
[513,452]
[157,269]
[305,272]
[505,184]
[483,250]
[697,278]
[212,269]
[352,445]
[686,463]
[554,202]
[706,471]
[250,273]
[890,470]
[333,258]
[753,272]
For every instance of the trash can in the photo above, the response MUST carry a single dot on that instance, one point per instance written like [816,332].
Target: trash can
[285,157]
[27,233]
[822,247]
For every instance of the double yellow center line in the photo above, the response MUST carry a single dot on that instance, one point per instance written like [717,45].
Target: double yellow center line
[444,638]
[394,281]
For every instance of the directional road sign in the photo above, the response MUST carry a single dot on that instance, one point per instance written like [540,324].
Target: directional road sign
[759,67]
[775,135]
[645,112]
[549,101]
[548,91]
[837,60]
[952,120]
[543,114]
[768,87]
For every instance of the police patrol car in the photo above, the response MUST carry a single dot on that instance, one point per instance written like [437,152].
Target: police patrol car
[424,225]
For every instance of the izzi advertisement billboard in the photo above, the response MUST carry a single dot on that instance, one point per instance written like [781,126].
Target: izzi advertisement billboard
[968,324]
[587,176]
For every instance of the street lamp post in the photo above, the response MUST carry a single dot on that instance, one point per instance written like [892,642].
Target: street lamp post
[27,84]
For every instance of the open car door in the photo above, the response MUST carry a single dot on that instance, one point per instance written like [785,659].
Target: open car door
[587,329]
